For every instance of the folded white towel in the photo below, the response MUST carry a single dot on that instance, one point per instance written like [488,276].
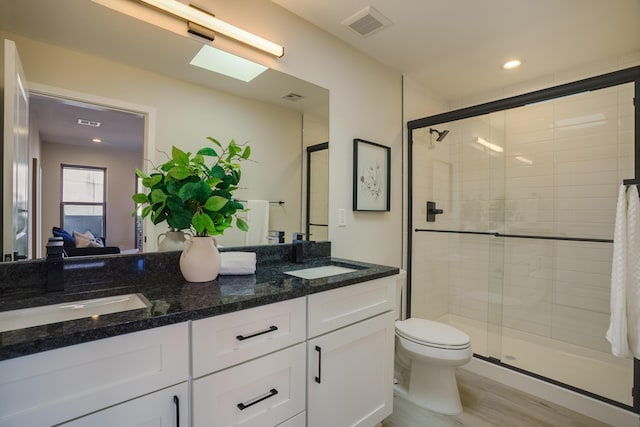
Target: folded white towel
[237,263]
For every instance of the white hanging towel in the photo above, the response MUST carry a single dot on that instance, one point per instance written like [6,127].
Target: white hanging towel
[258,220]
[625,276]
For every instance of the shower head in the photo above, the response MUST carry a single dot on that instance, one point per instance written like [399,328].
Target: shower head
[441,135]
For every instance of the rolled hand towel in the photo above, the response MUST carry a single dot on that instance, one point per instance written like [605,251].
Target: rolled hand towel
[237,263]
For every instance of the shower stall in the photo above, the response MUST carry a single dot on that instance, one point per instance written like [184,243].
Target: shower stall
[511,218]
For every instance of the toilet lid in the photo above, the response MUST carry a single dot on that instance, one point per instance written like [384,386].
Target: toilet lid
[433,333]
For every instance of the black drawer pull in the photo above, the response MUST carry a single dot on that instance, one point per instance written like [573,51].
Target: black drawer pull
[177,402]
[319,350]
[243,406]
[266,331]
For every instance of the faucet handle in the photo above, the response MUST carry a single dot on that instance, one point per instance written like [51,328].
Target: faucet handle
[298,236]
[55,247]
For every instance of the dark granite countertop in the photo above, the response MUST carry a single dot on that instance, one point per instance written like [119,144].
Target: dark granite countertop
[172,300]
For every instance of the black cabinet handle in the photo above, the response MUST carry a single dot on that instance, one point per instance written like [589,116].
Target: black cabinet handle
[319,350]
[243,406]
[266,331]
[177,403]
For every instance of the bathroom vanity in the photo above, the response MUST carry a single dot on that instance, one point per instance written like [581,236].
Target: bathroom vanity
[270,349]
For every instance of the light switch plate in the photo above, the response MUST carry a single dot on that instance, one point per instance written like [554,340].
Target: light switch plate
[342,217]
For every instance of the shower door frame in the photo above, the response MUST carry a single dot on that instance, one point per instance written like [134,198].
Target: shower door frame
[627,75]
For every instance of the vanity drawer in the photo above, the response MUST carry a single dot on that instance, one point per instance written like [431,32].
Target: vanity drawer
[223,341]
[260,393]
[54,386]
[340,307]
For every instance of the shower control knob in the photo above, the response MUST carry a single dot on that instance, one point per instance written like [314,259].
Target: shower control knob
[432,211]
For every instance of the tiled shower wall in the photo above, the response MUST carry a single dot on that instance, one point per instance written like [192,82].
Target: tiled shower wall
[558,173]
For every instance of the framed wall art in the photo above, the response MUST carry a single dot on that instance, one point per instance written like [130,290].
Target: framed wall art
[371,176]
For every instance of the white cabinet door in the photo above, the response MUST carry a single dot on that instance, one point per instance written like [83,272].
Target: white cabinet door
[169,407]
[350,374]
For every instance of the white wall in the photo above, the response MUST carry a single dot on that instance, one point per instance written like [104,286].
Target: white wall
[365,102]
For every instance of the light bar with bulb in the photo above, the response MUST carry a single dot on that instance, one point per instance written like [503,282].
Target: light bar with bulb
[196,16]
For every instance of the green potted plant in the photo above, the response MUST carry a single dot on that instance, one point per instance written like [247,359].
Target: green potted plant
[191,194]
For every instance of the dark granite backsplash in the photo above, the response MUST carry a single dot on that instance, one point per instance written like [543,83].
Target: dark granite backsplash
[157,278]
[26,278]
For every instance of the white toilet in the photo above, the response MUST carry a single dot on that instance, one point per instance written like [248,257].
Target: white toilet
[427,355]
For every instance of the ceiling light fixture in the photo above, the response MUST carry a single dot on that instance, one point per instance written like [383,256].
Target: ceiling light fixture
[194,15]
[96,140]
[92,123]
[511,64]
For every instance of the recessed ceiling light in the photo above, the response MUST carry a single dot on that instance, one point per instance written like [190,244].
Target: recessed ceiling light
[511,64]
[221,62]
[96,140]
[92,123]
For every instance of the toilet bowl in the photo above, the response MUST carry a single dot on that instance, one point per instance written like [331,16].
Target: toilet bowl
[430,352]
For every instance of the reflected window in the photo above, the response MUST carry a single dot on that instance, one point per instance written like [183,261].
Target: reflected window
[83,202]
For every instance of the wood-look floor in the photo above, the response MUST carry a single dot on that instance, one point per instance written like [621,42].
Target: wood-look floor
[488,403]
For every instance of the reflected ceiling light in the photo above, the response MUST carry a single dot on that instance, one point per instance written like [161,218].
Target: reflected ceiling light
[511,64]
[490,146]
[221,62]
[524,160]
[191,14]
[588,120]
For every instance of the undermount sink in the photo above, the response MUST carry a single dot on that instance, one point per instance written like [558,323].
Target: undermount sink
[44,315]
[318,272]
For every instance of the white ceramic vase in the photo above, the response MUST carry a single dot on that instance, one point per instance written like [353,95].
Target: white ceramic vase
[172,241]
[200,259]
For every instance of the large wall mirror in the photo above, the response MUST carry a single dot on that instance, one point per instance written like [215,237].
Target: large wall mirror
[88,63]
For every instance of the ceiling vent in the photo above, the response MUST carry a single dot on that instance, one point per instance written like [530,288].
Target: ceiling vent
[91,123]
[291,96]
[367,21]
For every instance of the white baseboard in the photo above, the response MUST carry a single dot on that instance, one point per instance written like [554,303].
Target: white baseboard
[577,402]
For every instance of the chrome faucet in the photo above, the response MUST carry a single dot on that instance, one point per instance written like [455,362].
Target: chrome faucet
[55,265]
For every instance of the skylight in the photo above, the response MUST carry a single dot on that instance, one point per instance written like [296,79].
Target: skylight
[220,62]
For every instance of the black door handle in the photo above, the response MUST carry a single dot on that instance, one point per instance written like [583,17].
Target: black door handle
[176,401]
[318,378]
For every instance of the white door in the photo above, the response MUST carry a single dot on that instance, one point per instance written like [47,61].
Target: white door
[15,177]
[350,374]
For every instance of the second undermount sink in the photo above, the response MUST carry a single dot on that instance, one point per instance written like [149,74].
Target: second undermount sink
[318,272]
[44,315]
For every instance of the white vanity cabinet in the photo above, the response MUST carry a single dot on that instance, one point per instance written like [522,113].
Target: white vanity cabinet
[249,366]
[56,386]
[350,354]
